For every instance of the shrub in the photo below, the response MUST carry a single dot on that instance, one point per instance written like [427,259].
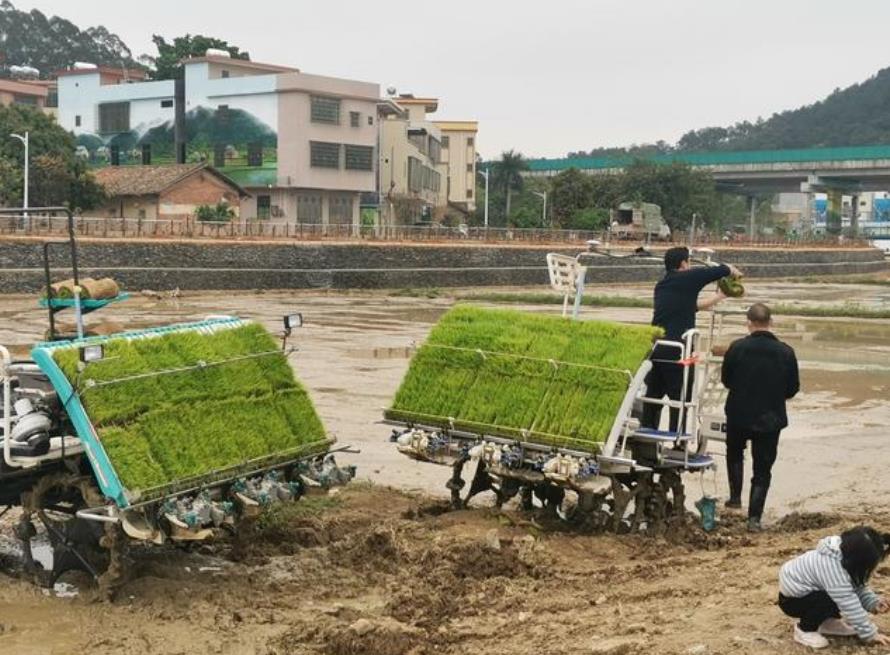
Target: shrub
[220,213]
[591,218]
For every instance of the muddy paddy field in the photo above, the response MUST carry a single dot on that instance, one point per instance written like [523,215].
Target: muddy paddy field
[380,568]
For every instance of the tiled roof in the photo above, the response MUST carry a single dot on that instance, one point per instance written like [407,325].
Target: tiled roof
[152,180]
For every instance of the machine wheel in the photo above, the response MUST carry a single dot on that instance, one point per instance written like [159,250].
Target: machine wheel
[65,542]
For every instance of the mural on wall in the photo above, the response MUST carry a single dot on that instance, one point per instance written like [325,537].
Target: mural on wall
[231,139]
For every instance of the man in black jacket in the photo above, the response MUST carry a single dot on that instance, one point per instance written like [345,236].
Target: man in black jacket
[676,301]
[761,373]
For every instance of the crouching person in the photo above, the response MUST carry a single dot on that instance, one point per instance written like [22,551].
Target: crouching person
[827,590]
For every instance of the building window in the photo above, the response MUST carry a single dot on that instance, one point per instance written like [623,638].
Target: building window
[77,121]
[469,193]
[359,158]
[419,140]
[166,104]
[446,141]
[263,206]
[309,208]
[340,209]
[115,155]
[435,150]
[469,141]
[24,100]
[354,118]
[325,110]
[219,155]
[324,155]
[254,154]
[114,117]
[224,73]
[52,98]
[415,174]
[146,154]
[222,114]
[469,168]
[370,120]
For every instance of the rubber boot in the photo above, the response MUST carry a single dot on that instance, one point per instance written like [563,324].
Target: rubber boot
[735,473]
[755,506]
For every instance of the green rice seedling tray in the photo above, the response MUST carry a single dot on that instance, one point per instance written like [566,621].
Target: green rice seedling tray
[179,406]
[543,379]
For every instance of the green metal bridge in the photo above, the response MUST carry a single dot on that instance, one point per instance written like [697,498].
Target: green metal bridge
[849,169]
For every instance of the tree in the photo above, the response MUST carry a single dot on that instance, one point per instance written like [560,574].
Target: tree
[49,44]
[679,190]
[56,176]
[167,66]
[571,192]
[507,175]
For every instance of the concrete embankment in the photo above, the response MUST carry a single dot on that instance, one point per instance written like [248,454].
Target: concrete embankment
[157,264]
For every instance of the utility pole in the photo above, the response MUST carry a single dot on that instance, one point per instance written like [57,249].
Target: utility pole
[26,142]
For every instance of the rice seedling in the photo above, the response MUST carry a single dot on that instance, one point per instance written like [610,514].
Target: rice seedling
[542,378]
[184,404]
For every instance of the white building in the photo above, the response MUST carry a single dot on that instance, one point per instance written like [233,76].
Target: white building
[303,145]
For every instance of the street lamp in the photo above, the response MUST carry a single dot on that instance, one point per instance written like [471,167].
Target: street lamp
[543,196]
[485,173]
[25,140]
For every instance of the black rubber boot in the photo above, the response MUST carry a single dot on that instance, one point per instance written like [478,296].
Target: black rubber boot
[755,506]
[735,473]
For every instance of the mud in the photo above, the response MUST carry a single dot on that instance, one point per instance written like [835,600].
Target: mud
[377,569]
[393,579]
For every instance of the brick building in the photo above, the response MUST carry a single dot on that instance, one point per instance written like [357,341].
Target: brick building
[164,192]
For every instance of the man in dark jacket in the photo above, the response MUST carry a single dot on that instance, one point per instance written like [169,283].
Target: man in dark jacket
[676,301]
[761,374]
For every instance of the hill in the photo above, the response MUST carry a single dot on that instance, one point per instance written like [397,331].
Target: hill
[51,44]
[856,116]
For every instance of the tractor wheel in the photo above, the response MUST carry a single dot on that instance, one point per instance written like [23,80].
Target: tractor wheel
[55,541]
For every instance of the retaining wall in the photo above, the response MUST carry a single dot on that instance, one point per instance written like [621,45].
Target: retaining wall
[219,265]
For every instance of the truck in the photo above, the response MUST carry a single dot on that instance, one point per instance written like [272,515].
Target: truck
[639,220]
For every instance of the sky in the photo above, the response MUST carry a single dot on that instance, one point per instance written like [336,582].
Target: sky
[544,78]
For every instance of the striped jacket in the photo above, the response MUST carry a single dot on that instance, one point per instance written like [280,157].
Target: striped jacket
[821,570]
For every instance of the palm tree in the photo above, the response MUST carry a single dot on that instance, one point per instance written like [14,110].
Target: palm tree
[507,174]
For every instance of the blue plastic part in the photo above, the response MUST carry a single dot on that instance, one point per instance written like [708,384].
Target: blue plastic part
[86,305]
[103,469]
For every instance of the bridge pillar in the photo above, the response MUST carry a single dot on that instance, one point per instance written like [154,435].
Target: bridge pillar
[854,216]
[808,220]
[752,203]
[834,221]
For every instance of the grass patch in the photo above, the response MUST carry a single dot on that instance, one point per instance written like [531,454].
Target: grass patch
[431,292]
[283,514]
[853,279]
[562,381]
[847,310]
[183,424]
[532,298]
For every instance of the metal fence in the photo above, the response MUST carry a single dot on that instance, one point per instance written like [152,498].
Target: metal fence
[133,228]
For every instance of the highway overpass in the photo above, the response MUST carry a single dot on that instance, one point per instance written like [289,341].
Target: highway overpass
[834,171]
[861,168]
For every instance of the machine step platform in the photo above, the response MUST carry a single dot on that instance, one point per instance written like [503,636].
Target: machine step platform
[660,436]
[691,462]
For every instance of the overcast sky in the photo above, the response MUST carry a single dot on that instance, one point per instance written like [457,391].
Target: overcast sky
[544,77]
